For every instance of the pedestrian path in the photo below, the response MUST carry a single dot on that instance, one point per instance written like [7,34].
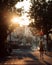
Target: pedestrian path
[29,58]
[24,61]
[47,57]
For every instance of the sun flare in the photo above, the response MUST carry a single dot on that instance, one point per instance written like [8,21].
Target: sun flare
[24,18]
[14,20]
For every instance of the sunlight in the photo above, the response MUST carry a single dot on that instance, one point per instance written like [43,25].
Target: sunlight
[24,18]
[19,5]
[47,0]
[25,4]
[14,20]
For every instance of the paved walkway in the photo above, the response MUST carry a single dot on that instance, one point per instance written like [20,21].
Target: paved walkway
[47,57]
[26,58]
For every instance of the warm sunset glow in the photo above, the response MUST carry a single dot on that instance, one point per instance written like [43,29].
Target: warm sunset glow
[24,18]
[14,20]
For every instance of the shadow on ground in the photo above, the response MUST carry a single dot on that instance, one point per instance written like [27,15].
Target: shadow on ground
[23,55]
[49,54]
[47,63]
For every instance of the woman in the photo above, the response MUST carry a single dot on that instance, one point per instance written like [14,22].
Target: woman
[41,49]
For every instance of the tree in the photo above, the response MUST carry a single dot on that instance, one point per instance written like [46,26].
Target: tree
[41,12]
[5,25]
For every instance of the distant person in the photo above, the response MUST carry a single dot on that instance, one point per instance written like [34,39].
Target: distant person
[41,50]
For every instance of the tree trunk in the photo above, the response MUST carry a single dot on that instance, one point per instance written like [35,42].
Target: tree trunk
[3,38]
[47,40]
[3,50]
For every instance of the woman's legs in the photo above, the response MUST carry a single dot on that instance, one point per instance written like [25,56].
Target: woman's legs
[41,55]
